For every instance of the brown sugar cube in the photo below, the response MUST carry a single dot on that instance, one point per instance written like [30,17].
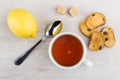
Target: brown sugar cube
[73,11]
[61,9]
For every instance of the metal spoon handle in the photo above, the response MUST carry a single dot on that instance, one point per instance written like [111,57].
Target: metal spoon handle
[21,58]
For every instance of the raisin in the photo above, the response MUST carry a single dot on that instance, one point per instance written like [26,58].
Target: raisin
[106,39]
[93,15]
[100,47]
[88,29]
[103,19]
[105,33]
[109,28]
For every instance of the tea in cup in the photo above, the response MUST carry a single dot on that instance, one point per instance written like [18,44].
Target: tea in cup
[67,50]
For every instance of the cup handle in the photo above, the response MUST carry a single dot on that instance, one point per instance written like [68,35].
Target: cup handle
[88,63]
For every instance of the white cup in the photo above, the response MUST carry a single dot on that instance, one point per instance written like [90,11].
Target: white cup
[83,59]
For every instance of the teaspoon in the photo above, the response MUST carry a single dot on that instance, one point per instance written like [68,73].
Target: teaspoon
[51,31]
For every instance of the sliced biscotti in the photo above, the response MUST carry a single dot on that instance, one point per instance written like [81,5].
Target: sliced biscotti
[109,37]
[85,30]
[95,19]
[97,41]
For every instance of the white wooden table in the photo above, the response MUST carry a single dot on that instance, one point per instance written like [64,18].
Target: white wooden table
[38,65]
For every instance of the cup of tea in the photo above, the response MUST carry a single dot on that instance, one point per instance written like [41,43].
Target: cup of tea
[67,50]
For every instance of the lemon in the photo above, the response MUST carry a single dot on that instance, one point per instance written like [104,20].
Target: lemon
[22,23]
